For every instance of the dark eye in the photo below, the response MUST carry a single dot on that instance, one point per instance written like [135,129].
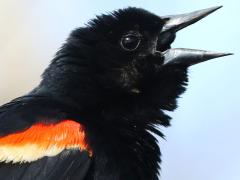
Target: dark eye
[130,42]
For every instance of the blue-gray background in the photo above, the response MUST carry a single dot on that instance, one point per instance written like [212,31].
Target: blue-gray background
[203,142]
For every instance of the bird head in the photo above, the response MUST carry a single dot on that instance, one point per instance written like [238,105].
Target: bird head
[129,54]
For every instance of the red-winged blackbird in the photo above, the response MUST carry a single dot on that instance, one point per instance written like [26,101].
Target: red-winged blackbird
[96,110]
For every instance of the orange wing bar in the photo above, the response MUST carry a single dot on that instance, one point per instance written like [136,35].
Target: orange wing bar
[42,140]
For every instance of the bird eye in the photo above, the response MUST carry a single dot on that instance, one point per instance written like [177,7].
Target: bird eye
[130,42]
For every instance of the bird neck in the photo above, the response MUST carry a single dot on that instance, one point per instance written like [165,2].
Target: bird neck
[123,143]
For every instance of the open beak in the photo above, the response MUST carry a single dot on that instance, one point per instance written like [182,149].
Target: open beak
[186,56]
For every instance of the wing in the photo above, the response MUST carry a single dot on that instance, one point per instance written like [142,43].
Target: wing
[40,138]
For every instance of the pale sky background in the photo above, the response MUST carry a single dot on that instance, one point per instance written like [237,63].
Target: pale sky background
[203,142]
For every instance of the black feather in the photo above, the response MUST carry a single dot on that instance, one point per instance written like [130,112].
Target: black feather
[70,164]
[118,95]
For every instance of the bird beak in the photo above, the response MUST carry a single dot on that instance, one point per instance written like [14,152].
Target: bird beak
[183,56]
[189,57]
[175,23]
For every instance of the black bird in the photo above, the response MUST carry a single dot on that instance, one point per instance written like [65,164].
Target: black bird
[100,102]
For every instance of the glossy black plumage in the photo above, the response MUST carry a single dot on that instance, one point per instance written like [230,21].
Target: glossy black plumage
[67,165]
[117,91]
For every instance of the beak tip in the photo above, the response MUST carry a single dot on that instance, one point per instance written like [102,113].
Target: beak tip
[223,54]
[217,7]
[228,54]
[212,55]
[206,12]
[213,9]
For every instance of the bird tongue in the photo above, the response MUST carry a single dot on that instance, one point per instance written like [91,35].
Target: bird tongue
[184,56]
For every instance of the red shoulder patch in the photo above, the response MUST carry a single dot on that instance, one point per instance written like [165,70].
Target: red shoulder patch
[43,140]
